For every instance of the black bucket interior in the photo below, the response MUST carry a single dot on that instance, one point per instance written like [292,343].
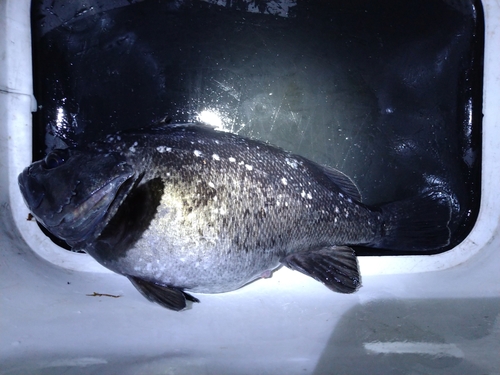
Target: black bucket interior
[387,91]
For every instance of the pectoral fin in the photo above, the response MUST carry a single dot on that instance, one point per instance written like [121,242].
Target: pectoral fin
[334,266]
[166,296]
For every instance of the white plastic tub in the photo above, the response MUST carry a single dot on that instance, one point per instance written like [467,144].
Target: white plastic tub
[434,314]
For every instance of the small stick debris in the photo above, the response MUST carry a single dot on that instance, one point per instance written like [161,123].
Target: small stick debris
[102,295]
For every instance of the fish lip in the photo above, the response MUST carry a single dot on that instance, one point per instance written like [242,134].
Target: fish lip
[36,196]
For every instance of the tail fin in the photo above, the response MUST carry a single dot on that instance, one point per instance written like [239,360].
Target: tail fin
[417,224]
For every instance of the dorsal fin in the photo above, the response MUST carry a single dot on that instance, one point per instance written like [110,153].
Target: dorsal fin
[343,182]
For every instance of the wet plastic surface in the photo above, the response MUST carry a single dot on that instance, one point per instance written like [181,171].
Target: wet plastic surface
[414,314]
[388,92]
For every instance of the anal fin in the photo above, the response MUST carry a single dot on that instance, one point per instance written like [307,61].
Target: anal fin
[170,297]
[334,266]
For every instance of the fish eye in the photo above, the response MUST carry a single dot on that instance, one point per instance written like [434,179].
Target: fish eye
[55,159]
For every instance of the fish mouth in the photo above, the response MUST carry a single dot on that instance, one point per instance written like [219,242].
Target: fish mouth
[31,191]
[88,218]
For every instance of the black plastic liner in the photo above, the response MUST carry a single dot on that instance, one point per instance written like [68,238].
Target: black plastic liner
[389,92]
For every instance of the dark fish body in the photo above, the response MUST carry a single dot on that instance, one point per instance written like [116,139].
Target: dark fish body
[185,208]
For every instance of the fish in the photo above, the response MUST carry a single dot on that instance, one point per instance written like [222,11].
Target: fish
[184,208]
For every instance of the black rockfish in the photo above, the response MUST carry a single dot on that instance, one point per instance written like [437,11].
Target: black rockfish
[183,208]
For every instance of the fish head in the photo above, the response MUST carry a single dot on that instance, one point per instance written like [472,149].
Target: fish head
[73,193]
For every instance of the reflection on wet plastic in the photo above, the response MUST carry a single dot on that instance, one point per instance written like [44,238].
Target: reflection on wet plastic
[372,336]
[388,92]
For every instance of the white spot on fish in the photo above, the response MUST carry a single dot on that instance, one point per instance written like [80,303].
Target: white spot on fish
[215,157]
[291,162]
[337,211]
[162,149]
[284,181]
[198,153]
[232,160]
[241,163]
[309,196]
[132,148]
[303,194]
[211,184]
[341,195]
[248,167]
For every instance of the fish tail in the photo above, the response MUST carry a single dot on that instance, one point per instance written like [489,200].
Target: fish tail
[416,224]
